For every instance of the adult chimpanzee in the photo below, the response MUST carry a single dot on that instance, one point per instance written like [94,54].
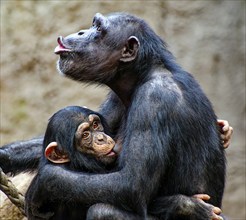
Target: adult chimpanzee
[168,129]
[76,139]
[159,114]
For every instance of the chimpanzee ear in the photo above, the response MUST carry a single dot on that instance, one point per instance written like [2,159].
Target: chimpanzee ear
[130,50]
[54,155]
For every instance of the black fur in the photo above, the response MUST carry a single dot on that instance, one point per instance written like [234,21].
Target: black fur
[61,129]
[21,156]
[166,124]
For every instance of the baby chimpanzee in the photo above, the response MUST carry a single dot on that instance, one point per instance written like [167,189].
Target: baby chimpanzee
[76,138]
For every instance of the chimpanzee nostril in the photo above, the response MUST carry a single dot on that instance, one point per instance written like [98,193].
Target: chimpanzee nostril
[100,137]
[81,32]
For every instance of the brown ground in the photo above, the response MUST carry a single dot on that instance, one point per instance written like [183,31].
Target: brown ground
[207,37]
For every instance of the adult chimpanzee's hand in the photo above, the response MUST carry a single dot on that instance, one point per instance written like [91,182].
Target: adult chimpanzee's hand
[215,211]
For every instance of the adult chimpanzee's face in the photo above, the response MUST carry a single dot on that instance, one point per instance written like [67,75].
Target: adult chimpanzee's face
[90,54]
[94,54]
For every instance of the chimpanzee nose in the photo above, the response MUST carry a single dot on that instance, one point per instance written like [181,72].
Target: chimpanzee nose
[100,137]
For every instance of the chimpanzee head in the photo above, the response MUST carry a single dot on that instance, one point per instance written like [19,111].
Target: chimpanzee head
[75,136]
[109,46]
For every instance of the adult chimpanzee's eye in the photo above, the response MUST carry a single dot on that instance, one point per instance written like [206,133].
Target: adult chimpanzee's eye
[95,124]
[85,135]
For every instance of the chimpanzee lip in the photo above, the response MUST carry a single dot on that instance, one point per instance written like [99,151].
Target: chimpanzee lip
[61,48]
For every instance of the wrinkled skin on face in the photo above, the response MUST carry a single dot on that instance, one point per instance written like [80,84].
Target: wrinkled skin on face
[90,139]
[78,138]
[91,54]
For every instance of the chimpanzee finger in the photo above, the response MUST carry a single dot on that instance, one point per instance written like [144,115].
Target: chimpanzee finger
[226,144]
[224,125]
[217,217]
[202,196]
[216,212]
[226,137]
[229,132]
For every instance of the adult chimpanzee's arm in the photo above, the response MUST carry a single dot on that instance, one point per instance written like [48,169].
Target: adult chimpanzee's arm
[184,207]
[138,178]
[21,156]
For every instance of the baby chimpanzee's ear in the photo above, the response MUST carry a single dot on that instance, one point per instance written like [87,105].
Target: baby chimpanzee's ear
[54,155]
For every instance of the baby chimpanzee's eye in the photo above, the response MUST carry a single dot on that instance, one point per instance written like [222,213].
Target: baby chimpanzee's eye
[85,135]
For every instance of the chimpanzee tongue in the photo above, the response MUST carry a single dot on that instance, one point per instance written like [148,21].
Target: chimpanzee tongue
[111,153]
[61,48]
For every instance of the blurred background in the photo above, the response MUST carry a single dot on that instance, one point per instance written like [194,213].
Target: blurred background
[207,38]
